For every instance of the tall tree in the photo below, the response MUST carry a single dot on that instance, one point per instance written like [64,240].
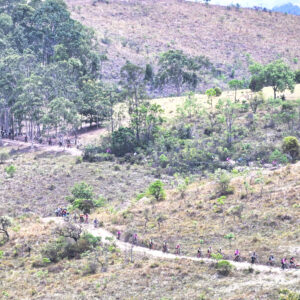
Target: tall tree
[132,81]
[179,69]
[276,74]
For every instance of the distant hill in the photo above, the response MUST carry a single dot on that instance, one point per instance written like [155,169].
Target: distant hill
[288,8]
[138,30]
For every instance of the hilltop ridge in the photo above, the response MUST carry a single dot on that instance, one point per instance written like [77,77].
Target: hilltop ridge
[139,30]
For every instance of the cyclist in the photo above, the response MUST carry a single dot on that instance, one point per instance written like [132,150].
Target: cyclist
[118,234]
[178,249]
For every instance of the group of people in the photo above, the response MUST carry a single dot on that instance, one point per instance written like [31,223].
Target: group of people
[84,218]
[61,212]
[237,255]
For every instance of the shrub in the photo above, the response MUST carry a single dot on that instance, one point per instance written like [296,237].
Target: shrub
[224,267]
[163,161]
[66,247]
[83,198]
[218,91]
[123,141]
[276,155]
[10,171]
[82,190]
[291,146]
[156,189]
[286,294]
[223,178]
[3,157]
[90,152]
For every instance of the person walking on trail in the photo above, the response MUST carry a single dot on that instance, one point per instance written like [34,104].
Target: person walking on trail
[118,234]
[237,255]
[177,249]
[253,258]
[209,252]
[283,263]
[81,218]
[150,244]
[199,252]
[271,260]
[86,218]
[165,247]
[96,223]
[134,239]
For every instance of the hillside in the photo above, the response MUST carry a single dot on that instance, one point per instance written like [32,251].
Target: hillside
[288,8]
[140,30]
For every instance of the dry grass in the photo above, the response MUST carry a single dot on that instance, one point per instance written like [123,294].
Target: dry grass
[144,278]
[269,222]
[140,30]
[43,180]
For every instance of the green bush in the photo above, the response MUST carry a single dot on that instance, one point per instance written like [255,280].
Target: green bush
[224,267]
[278,156]
[123,141]
[218,91]
[285,294]
[64,247]
[291,146]
[83,197]
[156,189]
[163,161]
[223,177]
[10,170]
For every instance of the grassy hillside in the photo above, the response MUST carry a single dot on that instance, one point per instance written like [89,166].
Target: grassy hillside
[140,30]
[109,274]
[196,215]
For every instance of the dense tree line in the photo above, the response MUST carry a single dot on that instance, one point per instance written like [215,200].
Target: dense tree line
[48,62]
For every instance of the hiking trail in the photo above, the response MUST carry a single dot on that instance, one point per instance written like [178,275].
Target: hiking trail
[123,246]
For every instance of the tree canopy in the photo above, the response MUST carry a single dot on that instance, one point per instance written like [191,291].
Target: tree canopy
[48,62]
[276,74]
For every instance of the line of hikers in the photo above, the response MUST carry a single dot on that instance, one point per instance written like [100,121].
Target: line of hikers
[285,264]
[84,218]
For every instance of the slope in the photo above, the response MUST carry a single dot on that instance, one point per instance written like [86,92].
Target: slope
[140,30]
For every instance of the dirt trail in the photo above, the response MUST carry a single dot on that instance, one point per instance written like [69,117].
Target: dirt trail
[39,147]
[104,234]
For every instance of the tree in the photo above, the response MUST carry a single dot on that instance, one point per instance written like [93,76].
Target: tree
[236,84]
[5,223]
[132,80]
[179,69]
[82,197]
[210,94]
[276,74]
[123,141]
[156,189]
[291,146]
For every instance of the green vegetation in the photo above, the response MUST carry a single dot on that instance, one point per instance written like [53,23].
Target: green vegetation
[48,62]
[156,189]
[10,170]
[276,74]
[83,198]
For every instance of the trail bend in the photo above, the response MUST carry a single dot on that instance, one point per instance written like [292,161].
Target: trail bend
[123,246]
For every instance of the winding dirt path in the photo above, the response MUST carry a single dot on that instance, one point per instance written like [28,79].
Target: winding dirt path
[123,246]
